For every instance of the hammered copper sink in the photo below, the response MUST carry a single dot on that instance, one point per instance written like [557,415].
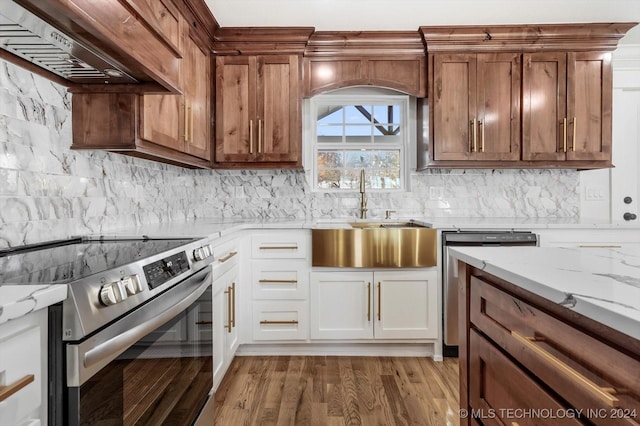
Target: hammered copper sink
[375,245]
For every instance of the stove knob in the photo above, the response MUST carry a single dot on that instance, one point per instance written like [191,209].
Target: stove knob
[207,250]
[132,285]
[108,295]
[198,254]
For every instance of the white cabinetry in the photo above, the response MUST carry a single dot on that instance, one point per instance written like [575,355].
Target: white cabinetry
[280,285]
[23,370]
[225,307]
[374,305]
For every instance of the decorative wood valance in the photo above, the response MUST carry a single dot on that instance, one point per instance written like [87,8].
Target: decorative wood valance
[365,43]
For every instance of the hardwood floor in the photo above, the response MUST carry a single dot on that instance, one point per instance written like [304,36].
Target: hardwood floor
[298,390]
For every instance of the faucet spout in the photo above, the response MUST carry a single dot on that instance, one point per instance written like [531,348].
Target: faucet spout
[363,197]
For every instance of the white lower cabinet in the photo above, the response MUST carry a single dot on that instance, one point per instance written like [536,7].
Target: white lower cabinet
[374,305]
[23,370]
[225,327]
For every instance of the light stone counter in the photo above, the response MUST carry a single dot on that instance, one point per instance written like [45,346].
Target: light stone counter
[600,283]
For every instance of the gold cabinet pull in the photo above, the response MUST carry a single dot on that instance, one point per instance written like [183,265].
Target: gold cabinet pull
[600,392]
[228,293]
[473,143]
[573,142]
[250,136]
[186,121]
[227,257]
[481,124]
[564,134]
[596,246]
[278,247]
[368,301]
[7,391]
[259,136]
[379,301]
[233,304]
[265,281]
[204,322]
[191,122]
[292,322]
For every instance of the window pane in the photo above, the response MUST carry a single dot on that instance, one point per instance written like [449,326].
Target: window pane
[360,130]
[386,159]
[330,114]
[329,179]
[330,160]
[358,159]
[387,114]
[327,130]
[358,114]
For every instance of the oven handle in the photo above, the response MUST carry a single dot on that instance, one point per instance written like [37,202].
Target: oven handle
[118,344]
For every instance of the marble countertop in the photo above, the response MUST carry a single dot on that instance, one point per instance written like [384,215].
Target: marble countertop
[16,301]
[600,283]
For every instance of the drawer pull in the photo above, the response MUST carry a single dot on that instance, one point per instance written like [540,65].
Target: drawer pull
[279,322]
[278,281]
[602,393]
[600,246]
[278,247]
[227,257]
[204,322]
[7,391]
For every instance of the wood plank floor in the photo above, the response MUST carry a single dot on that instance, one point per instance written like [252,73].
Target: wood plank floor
[323,390]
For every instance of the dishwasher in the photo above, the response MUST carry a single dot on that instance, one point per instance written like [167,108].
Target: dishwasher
[462,238]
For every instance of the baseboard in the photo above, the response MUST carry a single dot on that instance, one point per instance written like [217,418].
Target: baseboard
[339,349]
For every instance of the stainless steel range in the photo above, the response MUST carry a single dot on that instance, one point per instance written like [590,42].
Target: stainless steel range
[134,332]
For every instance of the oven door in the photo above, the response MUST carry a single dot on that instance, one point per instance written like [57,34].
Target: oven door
[153,366]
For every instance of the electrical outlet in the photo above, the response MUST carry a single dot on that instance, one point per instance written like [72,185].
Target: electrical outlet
[594,193]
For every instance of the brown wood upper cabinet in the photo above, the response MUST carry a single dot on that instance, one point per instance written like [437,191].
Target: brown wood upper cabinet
[258,121]
[567,106]
[476,106]
[171,128]
[520,96]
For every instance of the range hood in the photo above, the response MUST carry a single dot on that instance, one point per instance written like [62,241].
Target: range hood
[31,38]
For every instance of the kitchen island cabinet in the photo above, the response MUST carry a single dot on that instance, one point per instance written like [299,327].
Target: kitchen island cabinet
[562,323]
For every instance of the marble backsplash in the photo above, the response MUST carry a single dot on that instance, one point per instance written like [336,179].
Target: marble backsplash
[48,191]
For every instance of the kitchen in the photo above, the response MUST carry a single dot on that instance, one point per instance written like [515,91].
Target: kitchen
[51,192]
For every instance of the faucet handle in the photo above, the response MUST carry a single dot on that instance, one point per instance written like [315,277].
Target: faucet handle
[388,213]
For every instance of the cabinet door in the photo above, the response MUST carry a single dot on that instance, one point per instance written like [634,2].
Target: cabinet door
[341,305]
[406,305]
[235,109]
[197,102]
[220,327]
[278,109]
[232,336]
[497,135]
[589,104]
[454,103]
[544,124]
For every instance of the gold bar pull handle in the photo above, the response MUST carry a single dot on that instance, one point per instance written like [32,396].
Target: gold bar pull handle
[191,122]
[250,136]
[7,391]
[278,247]
[368,301]
[186,121]
[228,293]
[266,281]
[204,322]
[233,304]
[259,136]
[573,142]
[379,301]
[227,257]
[473,142]
[481,124]
[564,134]
[601,393]
[291,322]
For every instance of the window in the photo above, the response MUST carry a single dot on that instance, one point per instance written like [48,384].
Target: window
[356,132]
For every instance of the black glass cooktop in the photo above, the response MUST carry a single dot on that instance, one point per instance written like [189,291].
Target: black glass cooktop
[63,262]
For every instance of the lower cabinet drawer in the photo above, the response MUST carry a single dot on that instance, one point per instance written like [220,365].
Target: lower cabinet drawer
[583,370]
[499,391]
[280,320]
[276,279]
